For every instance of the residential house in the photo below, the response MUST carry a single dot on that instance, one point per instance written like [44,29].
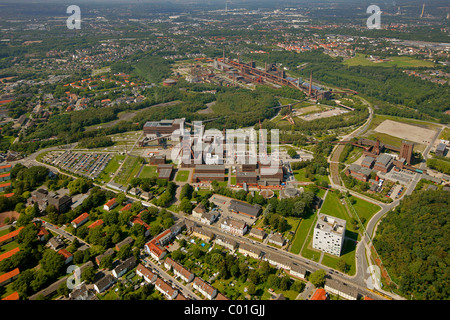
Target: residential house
[104,283]
[178,270]
[125,266]
[204,288]
[100,257]
[203,234]
[9,277]
[82,292]
[12,296]
[137,219]
[97,223]
[148,276]
[11,236]
[128,240]
[126,207]
[341,289]
[257,233]
[276,239]
[169,292]
[56,243]
[67,256]
[42,233]
[198,211]
[249,250]
[9,253]
[278,260]
[111,204]
[4,186]
[226,242]
[297,271]
[234,226]
[80,220]
[320,294]
[209,217]
[147,196]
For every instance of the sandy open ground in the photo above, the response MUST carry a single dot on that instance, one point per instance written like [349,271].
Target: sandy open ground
[406,131]
[324,114]
[8,214]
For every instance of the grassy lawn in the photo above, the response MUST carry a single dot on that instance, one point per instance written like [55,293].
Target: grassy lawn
[9,246]
[445,134]
[112,167]
[299,175]
[364,209]
[8,289]
[348,255]
[109,295]
[333,206]
[302,233]
[148,172]
[182,176]
[128,171]
[399,61]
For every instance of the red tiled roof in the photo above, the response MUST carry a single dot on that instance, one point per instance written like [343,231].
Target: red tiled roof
[8,195]
[142,269]
[80,218]
[140,221]
[111,202]
[12,296]
[7,184]
[5,166]
[42,232]
[8,254]
[99,222]
[10,235]
[66,254]
[5,174]
[126,207]
[9,275]
[320,294]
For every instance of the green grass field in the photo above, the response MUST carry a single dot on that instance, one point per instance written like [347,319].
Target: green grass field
[148,172]
[128,171]
[182,176]
[399,61]
[112,167]
[333,206]
[364,209]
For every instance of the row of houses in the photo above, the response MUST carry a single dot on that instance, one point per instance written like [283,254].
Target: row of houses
[108,280]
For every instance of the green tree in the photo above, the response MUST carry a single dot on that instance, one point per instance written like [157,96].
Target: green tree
[317,278]
[186,205]
[52,262]
[63,290]
[88,274]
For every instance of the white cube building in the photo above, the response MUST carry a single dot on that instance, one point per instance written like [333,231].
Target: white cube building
[329,234]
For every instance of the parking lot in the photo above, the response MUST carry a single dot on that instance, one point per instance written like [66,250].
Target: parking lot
[396,191]
[87,164]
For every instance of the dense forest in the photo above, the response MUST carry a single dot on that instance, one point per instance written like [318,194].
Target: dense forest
[413,242]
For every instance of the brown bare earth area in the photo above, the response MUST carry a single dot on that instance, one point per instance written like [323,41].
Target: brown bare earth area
[8,214]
